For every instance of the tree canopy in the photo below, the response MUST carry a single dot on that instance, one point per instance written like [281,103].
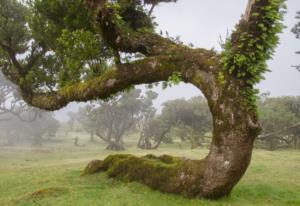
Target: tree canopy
[280,119]
[63,51]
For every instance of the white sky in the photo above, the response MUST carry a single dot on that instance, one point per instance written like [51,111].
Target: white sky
[202,22]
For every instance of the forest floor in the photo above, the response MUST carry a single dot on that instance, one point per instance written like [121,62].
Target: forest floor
[51,176]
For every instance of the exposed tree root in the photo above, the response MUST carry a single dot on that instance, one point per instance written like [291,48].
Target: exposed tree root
[164,173]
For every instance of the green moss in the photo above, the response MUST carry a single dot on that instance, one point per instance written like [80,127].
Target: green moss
[164,173]
[92,167]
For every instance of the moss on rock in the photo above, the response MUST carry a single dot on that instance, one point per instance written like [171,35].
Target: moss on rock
[164,173]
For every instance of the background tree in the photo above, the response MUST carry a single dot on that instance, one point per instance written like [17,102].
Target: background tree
[44,126]
[146,123]
[280,117]
[154,132]
[117,116]
[63,51]
[18,131]
[72,119]
[193,118]
[87,117]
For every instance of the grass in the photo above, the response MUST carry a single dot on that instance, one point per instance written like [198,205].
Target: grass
[51,176]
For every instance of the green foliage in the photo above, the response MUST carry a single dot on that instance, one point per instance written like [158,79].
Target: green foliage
[80,51]
[50,17]
[191,119]
[13,28]
[248,49]
[113,118]
[54,41]
[174,79]
[276,114]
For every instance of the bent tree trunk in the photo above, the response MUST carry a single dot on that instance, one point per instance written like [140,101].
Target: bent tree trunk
[296,142]
[151,140]
[116,145]
[146,143]
[227,80]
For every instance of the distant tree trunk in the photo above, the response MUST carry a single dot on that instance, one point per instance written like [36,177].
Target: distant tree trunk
[10,139]
[145,139]
[92,138]
[195,141]
[37,141]
[144,142]
[116,144]
[297,142]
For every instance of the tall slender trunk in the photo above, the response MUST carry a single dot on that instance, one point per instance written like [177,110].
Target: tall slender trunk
[92,138]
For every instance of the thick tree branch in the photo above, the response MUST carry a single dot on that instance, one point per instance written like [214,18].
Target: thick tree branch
[195,67]
[129,40]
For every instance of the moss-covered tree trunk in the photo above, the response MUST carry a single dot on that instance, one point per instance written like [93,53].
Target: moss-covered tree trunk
[230,154]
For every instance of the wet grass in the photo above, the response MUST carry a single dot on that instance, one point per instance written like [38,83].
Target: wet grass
[51,176]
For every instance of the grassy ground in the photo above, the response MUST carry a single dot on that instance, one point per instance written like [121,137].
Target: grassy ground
[51,176]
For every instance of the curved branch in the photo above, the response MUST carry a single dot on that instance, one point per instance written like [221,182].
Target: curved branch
[193,66]
[129,40]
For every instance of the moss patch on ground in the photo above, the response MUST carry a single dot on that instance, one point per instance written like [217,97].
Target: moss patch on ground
[164,173]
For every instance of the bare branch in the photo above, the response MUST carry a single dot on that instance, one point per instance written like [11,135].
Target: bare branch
[280,131]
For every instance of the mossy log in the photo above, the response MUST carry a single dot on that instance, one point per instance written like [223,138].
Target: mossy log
[164,173]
